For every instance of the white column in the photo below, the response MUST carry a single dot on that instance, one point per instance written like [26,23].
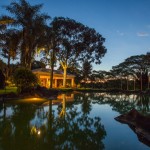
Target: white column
[55,83]
[72,82]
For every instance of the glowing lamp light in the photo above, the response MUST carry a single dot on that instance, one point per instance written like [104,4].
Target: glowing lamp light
[38,132]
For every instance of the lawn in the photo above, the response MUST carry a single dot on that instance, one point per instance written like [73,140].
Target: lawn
[8,90]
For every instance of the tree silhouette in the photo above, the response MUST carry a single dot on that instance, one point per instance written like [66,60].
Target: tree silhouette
[76,42]
[31,23]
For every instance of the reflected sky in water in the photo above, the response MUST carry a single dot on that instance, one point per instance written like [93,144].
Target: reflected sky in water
[73,121]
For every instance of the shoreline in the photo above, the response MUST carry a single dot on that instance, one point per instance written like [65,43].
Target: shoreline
[49,94]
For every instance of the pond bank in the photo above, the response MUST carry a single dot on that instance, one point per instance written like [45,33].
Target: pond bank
[42,92]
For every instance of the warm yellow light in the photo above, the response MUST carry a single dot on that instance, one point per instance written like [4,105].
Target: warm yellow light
[38,132]
[34,98]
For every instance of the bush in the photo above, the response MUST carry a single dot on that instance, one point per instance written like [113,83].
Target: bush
[25,80]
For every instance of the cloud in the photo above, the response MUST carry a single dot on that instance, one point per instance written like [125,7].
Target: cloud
[142,34]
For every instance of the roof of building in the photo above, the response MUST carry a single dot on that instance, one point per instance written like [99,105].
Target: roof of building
[46,70]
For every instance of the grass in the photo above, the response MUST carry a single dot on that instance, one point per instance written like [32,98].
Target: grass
[8,90]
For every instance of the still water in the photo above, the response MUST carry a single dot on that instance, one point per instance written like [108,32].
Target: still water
[75,121]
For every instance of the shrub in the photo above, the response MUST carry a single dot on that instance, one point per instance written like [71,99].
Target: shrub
[25,80]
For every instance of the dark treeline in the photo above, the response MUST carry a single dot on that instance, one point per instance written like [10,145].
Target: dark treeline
[131,74]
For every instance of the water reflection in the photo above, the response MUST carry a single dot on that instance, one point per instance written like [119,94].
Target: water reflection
[65,123]
[123,103]
[57,124]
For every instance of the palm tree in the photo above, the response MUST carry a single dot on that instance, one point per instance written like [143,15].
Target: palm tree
[32,25]
[9,47]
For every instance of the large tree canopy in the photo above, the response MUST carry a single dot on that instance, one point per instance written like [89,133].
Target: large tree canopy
[31,23]
[138,66]
[76,42]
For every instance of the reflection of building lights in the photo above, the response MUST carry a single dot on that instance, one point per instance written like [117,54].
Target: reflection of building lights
[38,132]
[35,98]
[35,131]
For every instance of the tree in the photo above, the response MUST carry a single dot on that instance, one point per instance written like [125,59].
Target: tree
[9,47]
[76,42]
[136,66]
[25,79]
[122,72]
[31,23]
[139,65]
[4,21]
[101,77]
[86,70]
[76,70]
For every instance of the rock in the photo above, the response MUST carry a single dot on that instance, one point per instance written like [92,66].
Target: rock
[139,123]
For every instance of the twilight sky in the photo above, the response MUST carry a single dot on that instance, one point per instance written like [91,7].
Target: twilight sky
[124,23]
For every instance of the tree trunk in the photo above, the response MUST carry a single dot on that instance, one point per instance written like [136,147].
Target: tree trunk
[127,84]
[51,76]
[63,111]
[141,82]
[52,69]
[121,83]
[65,75]
[134,84]
[8,68]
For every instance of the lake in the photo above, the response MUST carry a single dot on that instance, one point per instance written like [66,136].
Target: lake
[73,121]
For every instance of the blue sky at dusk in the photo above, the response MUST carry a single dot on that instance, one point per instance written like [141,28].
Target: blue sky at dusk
[124,23]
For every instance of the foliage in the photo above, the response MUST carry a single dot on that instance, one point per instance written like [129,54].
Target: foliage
[76,42]
[86,69]
[10,43]
[25,79]
[37,64]
[136,67]
[9,47]
[31,23]
[65,40]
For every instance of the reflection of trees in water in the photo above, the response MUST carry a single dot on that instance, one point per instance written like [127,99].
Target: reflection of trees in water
[15,128]
[85,99]
[5,127]
[73,130]
[123,103]
[143,103]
